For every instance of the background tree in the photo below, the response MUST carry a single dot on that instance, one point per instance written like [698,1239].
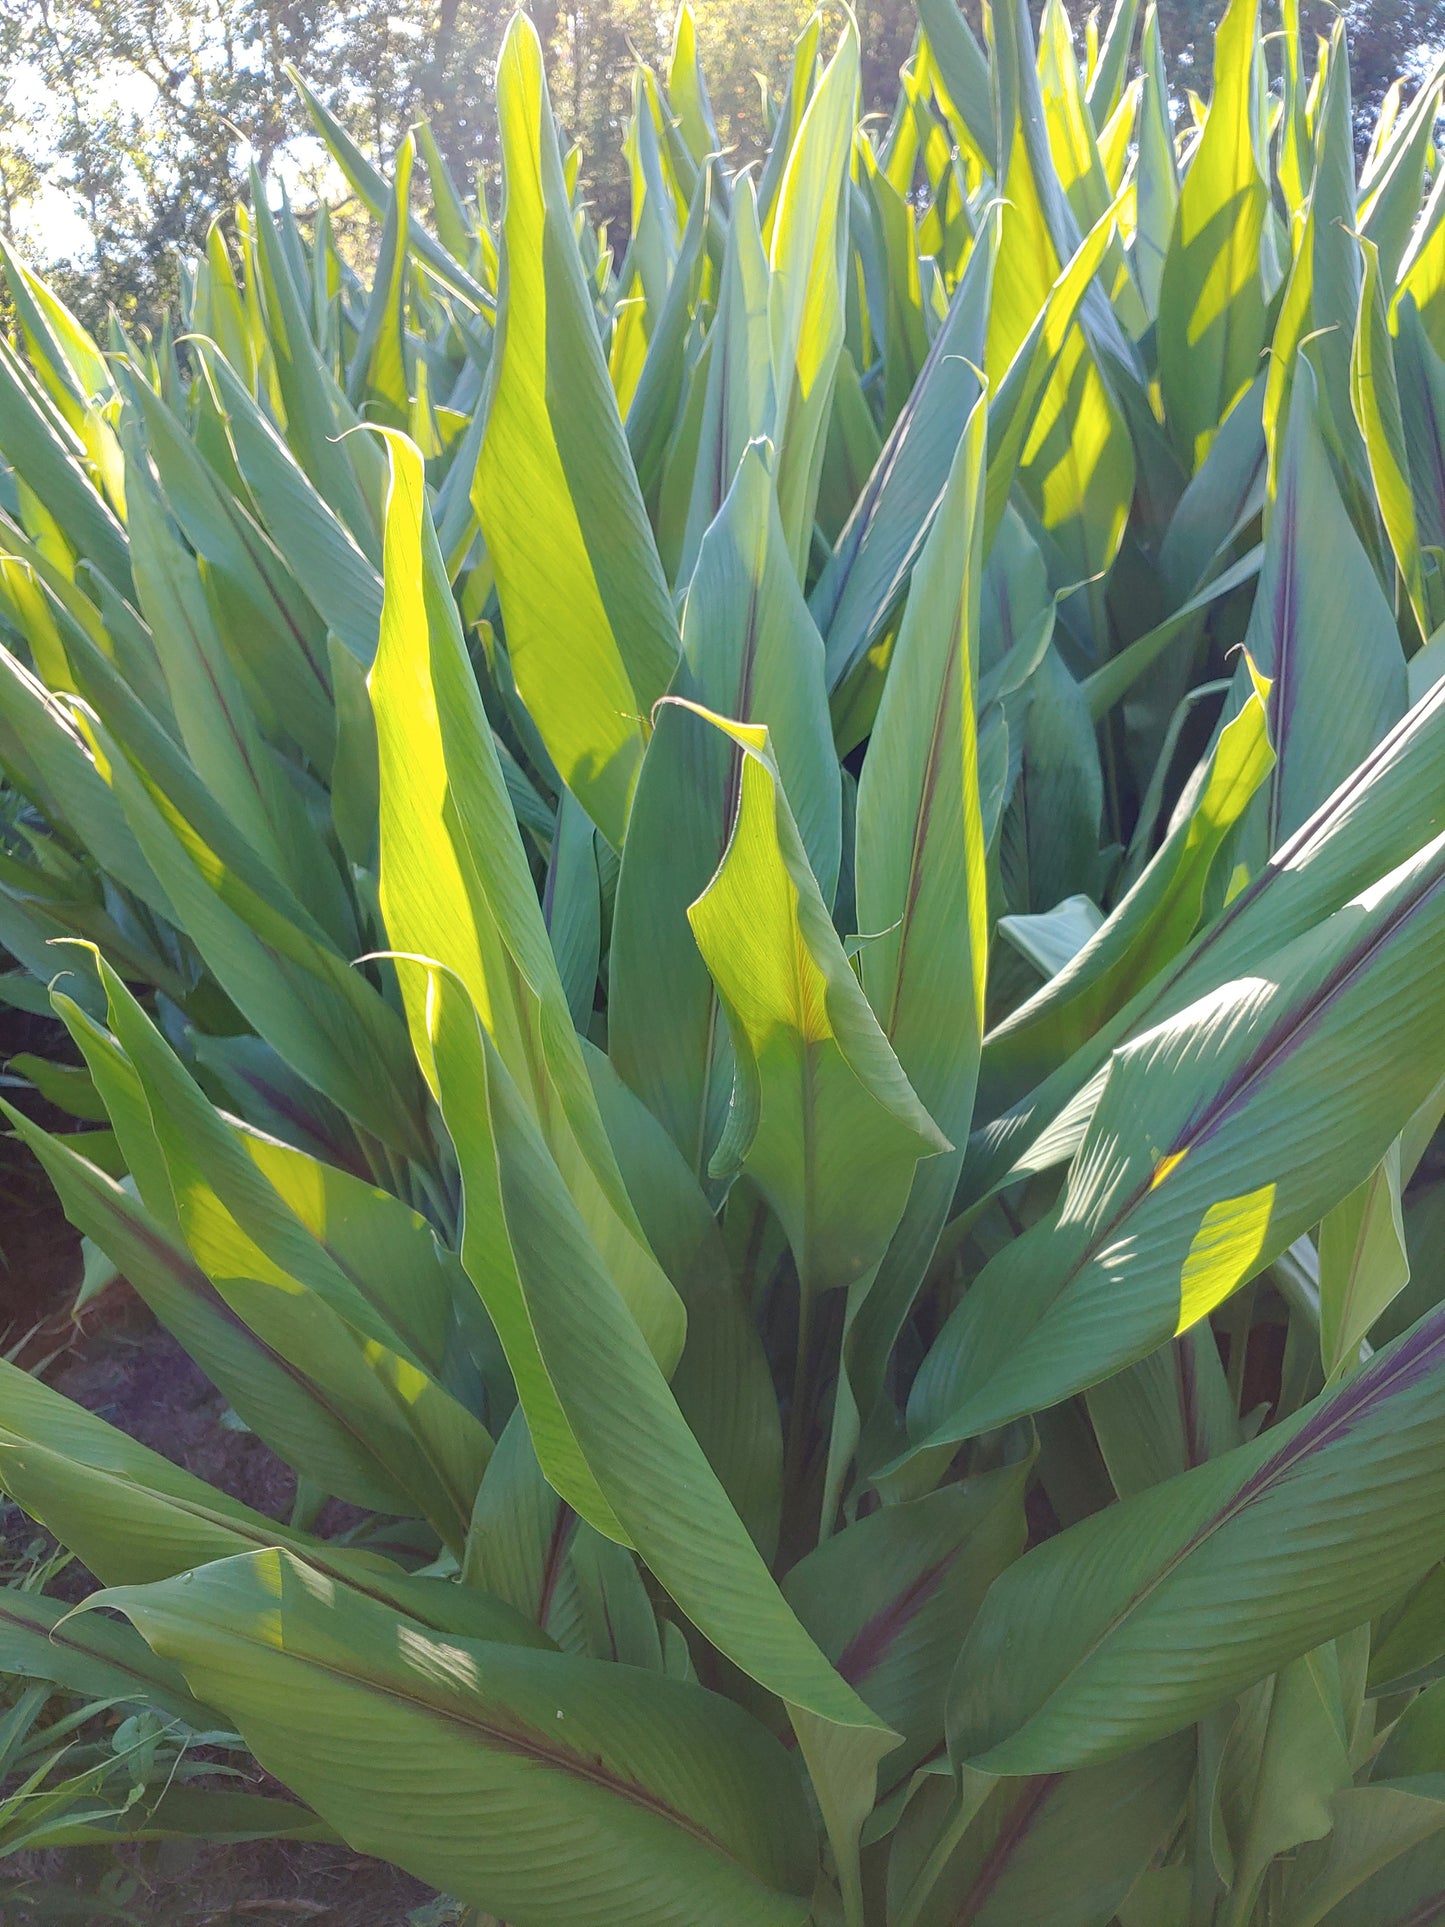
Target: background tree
[141,118]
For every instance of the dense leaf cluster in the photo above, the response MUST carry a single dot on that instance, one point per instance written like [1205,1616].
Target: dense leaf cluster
[753,942]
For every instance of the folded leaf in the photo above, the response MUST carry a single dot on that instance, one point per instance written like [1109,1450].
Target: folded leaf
[823,1119]
[750,652]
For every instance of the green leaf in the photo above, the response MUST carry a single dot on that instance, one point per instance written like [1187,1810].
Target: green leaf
[590,628]
[67,1086]
[890,1598]
[807,240]
[262,1372]
[1328,643]
[1364,1264]
[378,382]
[1157,173]
[873,560]
[1379,1861]
[1172,1410]
[369,185]
[1211,323]
[1376,396]
[337,577]
[1058,1848]
[751,652]
[823,1118]
[456,890]
[607,1430]
[1210,1151]
[1190,1591]
[38,446]
[273,637]
[1379,816]
[40,1638]
[324,1018]
[920,884]
[133,1517]
[635,1798]
[1286,1758]
[733,380]
[329,1304]
[1151,923]
[344,468]
[962,69]
[723,1383]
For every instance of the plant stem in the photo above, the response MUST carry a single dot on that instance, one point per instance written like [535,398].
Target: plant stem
[973,1790]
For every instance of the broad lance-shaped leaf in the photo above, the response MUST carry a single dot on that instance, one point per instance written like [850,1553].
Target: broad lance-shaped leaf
[1381,813]
[39,446]
[62,354]
[1172,1410]
[381,1261]
[1364,1262]
[346,468]
[920,883]
[322,1016]
[369,185]
[543,1787]
[589,622]
[1211,323]
[46,757]
[1375,393]
[1285,1759]
[1058,1848]
[1186,1593]
[313,1301]
[723,1383]
[1152,923]
[1220,1136]
[273,637]
[750,651]
[890,1597]
[219,726]
[738,404]
[607,1429]
[455,888]
[1156,172]
[1382,1863]
[337,578]
[666,369]
[1077,466]
[377,380]
[1050,333]
[270,1391]
[869,569]
[133,1517]
[823,1118]
[41,1638]
[963,70]
[1321,297]
[1325,638]
[807,246]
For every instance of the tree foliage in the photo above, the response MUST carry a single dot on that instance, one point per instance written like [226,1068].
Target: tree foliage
[144,117]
